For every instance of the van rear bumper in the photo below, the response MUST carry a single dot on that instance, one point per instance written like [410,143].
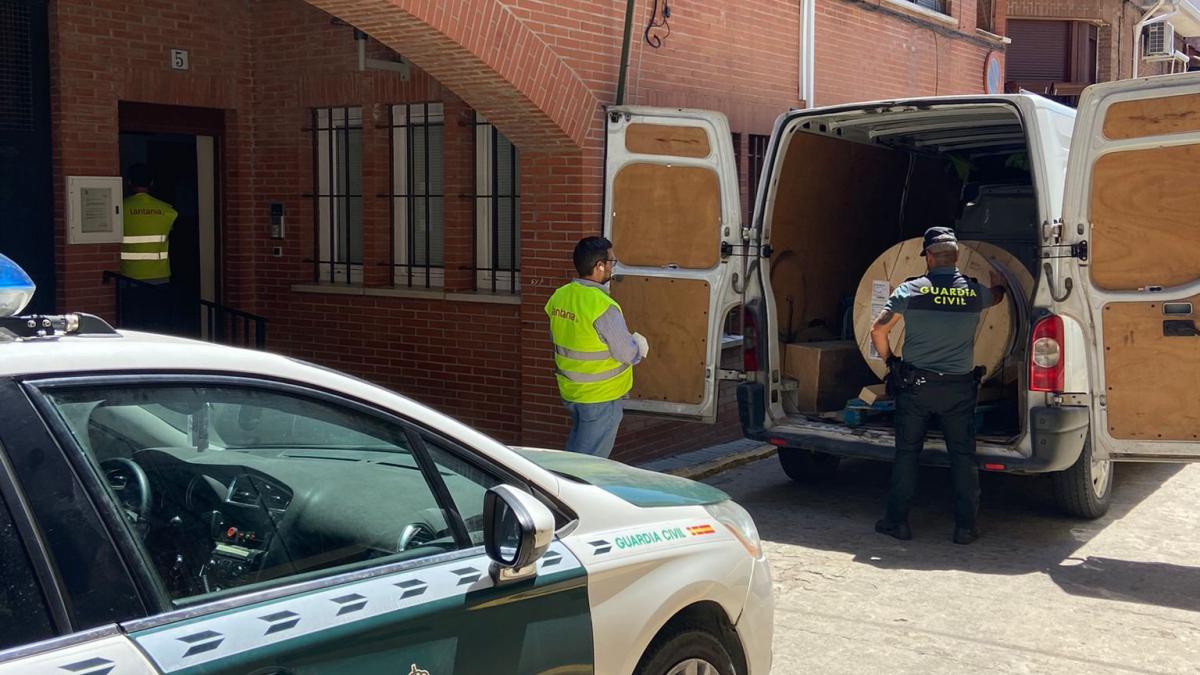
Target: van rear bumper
[1058,435]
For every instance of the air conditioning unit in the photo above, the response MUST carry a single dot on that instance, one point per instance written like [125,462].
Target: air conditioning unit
[1158,42]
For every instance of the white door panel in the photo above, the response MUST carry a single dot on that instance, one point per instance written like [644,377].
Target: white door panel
[1132,197]
[673,214]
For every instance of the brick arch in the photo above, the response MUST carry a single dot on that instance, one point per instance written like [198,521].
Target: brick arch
[488,57]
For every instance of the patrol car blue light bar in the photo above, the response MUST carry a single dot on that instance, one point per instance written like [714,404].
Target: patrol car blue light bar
[16,288]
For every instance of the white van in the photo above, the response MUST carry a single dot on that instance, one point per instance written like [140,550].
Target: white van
[1108,360]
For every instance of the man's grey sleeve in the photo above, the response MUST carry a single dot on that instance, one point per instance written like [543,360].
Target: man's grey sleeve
[897,302]
[612,329]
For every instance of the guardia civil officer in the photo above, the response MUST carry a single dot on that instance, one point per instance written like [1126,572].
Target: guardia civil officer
[937,377]
[594,352]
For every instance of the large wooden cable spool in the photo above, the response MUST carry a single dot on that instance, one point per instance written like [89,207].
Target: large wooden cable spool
[1000,326]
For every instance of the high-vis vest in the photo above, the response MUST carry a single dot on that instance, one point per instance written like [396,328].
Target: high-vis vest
[584,367]
[148,221]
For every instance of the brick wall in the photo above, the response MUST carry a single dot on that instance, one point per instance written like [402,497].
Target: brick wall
[541,71]
[107,51]
[461,357]
[868,51]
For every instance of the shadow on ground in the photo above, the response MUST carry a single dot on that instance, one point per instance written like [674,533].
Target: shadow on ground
[1023,531]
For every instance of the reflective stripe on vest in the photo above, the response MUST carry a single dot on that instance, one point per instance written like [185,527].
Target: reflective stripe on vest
[145,239]
[147,222]
[582,356]
[584,367]
[593,377]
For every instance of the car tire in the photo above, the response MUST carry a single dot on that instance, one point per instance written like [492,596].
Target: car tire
[806,466]
[674,651]
[1085,489]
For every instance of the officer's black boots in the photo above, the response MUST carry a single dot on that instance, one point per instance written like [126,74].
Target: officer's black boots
[900,531]
[965,535]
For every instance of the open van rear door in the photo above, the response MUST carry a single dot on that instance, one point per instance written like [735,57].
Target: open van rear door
[672,213]
[1133,200]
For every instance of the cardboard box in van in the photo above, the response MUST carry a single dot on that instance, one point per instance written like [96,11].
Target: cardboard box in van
[828,373]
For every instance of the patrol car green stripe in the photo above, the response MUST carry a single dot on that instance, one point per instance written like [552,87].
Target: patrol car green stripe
[443,618]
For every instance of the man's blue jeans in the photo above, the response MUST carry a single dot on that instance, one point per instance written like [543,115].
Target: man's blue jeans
[594,427]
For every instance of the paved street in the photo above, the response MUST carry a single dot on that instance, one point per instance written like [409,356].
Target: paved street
[1038,593]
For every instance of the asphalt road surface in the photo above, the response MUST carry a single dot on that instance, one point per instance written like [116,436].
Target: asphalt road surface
[1038,593]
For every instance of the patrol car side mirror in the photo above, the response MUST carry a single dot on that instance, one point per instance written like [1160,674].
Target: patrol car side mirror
[517,531]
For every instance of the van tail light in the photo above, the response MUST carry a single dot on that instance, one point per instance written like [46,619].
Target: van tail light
[1046,355]
[749,340]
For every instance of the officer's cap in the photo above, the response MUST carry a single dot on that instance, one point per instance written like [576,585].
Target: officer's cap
[938,235]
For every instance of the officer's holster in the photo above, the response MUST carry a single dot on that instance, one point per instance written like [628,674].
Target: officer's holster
[901,377]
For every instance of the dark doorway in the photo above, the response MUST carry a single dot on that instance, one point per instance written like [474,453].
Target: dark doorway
[178,145]
[171,159]
[26,181]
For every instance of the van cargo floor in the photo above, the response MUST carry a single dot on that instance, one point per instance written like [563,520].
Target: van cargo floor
[877,430]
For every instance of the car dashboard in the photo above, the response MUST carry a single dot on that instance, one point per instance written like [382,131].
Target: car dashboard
[221,519]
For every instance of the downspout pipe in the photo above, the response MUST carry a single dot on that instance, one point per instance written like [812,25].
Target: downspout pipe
[625,52]
[808,31]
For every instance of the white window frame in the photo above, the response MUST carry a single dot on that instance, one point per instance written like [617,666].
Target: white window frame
[484,274]
[329,143]
[400,195]
[944,17]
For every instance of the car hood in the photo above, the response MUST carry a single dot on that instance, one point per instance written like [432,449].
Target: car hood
[636,486]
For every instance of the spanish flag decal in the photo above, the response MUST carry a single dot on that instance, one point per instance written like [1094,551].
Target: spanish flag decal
[697,530]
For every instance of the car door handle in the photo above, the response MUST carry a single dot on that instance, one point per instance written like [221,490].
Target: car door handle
[1180,328]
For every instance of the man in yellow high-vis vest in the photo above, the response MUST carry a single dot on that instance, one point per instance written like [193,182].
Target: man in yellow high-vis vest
[594,352]
[149,305]
[147,224]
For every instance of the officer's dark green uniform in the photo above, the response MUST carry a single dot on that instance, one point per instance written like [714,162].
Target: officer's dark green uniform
[941,313]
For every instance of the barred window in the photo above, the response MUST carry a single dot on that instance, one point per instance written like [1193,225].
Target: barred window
[497,211]
[417,195]
[337,194]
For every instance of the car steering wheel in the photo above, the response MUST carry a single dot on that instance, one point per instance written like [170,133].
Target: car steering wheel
[415,534]
[132,487]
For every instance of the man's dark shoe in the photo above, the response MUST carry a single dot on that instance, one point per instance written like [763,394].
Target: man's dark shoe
[900,531]
[965,535]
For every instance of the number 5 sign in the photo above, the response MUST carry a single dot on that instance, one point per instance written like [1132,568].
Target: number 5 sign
[179,59]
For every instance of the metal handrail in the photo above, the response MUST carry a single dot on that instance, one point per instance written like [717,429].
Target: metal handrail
[224,324]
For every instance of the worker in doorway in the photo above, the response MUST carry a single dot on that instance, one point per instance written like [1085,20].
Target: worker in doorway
[937,377]
[148,221]
[594,353]
[150,304]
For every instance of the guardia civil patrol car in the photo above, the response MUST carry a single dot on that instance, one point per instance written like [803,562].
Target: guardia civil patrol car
[170,506]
